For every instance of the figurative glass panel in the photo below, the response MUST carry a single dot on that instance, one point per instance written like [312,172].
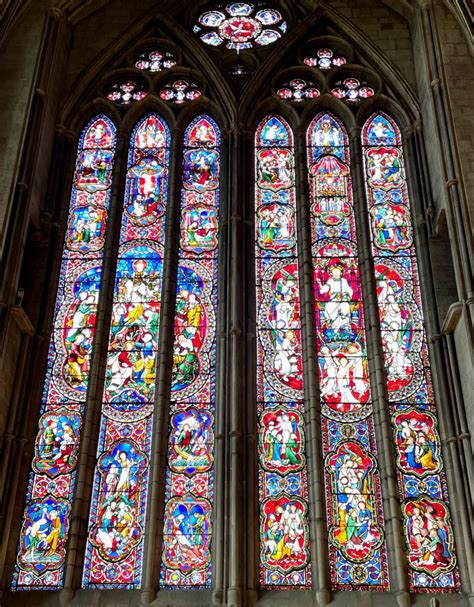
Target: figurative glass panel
[44,533]
[118,509]
[187,535]
[423,493]
[283,488]
[354,502]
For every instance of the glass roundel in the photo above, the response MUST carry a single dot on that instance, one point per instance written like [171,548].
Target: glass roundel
[240,25]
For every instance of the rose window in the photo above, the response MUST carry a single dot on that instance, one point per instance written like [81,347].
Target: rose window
[240,26]
[352,90]
[298,91]
[324,59]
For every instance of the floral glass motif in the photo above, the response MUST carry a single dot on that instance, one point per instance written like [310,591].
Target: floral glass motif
[240,26]
[423,492]
[283,487]
[155,61]
[180,92]
[126,93]
[298,91]
[352,90]
[116,531]
[187,536]
[354,502]
[324,59]
[44,532]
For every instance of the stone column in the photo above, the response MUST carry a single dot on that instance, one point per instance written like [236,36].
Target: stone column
[236,392]
[219,505]
[444,368]
[14,440]
[381,413]
[456,203]
[38,119]
[315,464]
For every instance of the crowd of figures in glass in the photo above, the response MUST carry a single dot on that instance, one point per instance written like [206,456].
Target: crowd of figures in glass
[353,494]
[187,532]
[427,523]
[117,515]
[44,532]
[284,524]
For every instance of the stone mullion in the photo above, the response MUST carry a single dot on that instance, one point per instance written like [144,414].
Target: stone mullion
[252,465]
[218,541]
[159,449]
[455,199]
[456,396]
[236,392]
[315,464]
[378,391]
[93,404]
[441,355]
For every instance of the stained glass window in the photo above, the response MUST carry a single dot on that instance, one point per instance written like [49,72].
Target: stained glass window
[44,532]
[283,489]
[240,26]
[155,61]
[354,501]
[180,92]
[298,91]
[190,475]
[125,93]
[119,496]
[325,59]
[352,90]
[423,494]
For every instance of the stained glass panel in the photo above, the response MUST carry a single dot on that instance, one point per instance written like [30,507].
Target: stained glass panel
[44,532]
[352,90]
[298,91]
[283,489]
[117,516]
[325,59]
[427,522]
[354,502]
[187,536]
